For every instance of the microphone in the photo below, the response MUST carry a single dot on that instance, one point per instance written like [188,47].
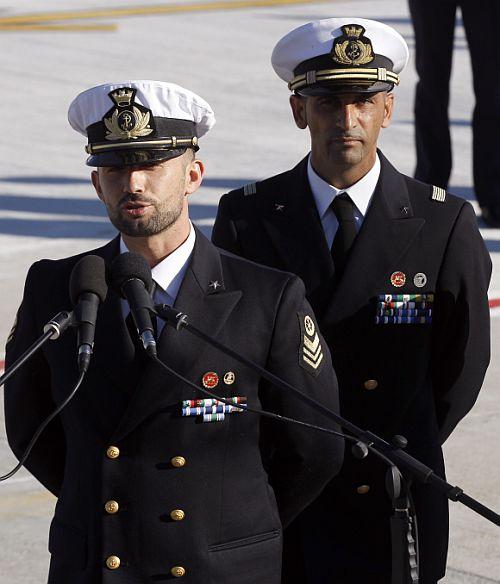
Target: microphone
[131,279]
[87,288]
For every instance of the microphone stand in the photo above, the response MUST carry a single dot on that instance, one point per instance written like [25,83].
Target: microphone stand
[405,560]
[51,331]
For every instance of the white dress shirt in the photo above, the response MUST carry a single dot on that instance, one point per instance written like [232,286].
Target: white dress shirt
[361,194]
[168,274]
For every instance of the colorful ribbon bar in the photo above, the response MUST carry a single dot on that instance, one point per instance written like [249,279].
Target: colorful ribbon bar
[212,410]
[403,320]
[402,312]
[213,418]
[406,297]
[218,409]
[406,305]
[199,403]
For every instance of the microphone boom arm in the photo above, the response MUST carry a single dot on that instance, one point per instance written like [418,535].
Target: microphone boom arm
[393,452]
[51,331]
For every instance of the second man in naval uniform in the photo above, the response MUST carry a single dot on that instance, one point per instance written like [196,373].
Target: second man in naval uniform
[397,273]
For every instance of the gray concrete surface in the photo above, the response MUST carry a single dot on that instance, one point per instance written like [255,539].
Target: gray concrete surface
[48,209]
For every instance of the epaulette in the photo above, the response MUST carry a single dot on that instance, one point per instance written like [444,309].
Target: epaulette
[250,189]
[438,194]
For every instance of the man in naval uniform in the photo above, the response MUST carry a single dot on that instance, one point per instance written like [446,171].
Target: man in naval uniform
[150,489]
[397,274]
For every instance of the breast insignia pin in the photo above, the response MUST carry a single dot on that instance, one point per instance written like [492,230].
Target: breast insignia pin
[420,280]
[210,380]
[229,378]
[398,279]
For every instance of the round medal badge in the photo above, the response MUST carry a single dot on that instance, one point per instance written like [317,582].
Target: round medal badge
[398,279]
[210,380]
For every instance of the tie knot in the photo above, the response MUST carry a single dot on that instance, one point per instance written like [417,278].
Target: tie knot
[343,207]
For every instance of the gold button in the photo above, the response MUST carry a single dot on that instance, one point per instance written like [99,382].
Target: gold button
[178,461]
[113,452]
[177,515]
[178,571]
[371,384]
[111,507]
[113,562]
[363,489]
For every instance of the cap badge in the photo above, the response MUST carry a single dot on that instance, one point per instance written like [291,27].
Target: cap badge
[127,120]
[352,48]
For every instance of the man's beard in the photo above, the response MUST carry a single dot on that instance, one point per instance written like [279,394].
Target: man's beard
[163,217]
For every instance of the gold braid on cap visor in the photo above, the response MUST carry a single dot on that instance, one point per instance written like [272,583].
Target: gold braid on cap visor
[360,76]
[172,142]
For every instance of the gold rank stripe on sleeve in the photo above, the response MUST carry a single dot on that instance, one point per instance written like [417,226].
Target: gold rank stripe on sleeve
[311,352]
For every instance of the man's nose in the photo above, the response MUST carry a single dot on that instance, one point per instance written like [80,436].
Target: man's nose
[135,181]
[346,116]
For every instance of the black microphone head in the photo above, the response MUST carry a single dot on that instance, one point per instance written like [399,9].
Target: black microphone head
[88,275]
[128,266]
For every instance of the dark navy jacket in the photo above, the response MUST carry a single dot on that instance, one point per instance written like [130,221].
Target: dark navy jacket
[238,480]
[418,380]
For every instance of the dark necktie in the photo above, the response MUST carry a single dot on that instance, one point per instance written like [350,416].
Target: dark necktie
[343,207]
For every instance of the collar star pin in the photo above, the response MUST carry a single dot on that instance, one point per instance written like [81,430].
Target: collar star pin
[279,207]
[215,284]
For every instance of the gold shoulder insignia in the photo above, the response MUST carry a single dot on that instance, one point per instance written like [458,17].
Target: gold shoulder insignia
[250,189]
[438,194]
[310,351]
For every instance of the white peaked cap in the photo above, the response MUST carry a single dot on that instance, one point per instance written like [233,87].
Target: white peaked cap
[166,100]
[316,39]
[135,122]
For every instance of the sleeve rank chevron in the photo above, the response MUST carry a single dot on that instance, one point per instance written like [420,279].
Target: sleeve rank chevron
[310,350]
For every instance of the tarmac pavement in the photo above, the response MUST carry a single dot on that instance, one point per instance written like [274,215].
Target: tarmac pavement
[220,50]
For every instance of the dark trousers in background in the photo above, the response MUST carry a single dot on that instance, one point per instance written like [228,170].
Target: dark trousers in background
[434,25]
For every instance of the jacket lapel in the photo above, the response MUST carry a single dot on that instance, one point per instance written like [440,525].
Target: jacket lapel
[387,232]
[204,298]
[290,218]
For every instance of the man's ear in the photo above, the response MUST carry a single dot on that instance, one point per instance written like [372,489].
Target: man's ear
[298,105]
[97,183]
[194,175]
[388,109]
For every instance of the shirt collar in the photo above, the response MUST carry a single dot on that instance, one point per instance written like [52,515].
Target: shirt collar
[360,192]
[169,273]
